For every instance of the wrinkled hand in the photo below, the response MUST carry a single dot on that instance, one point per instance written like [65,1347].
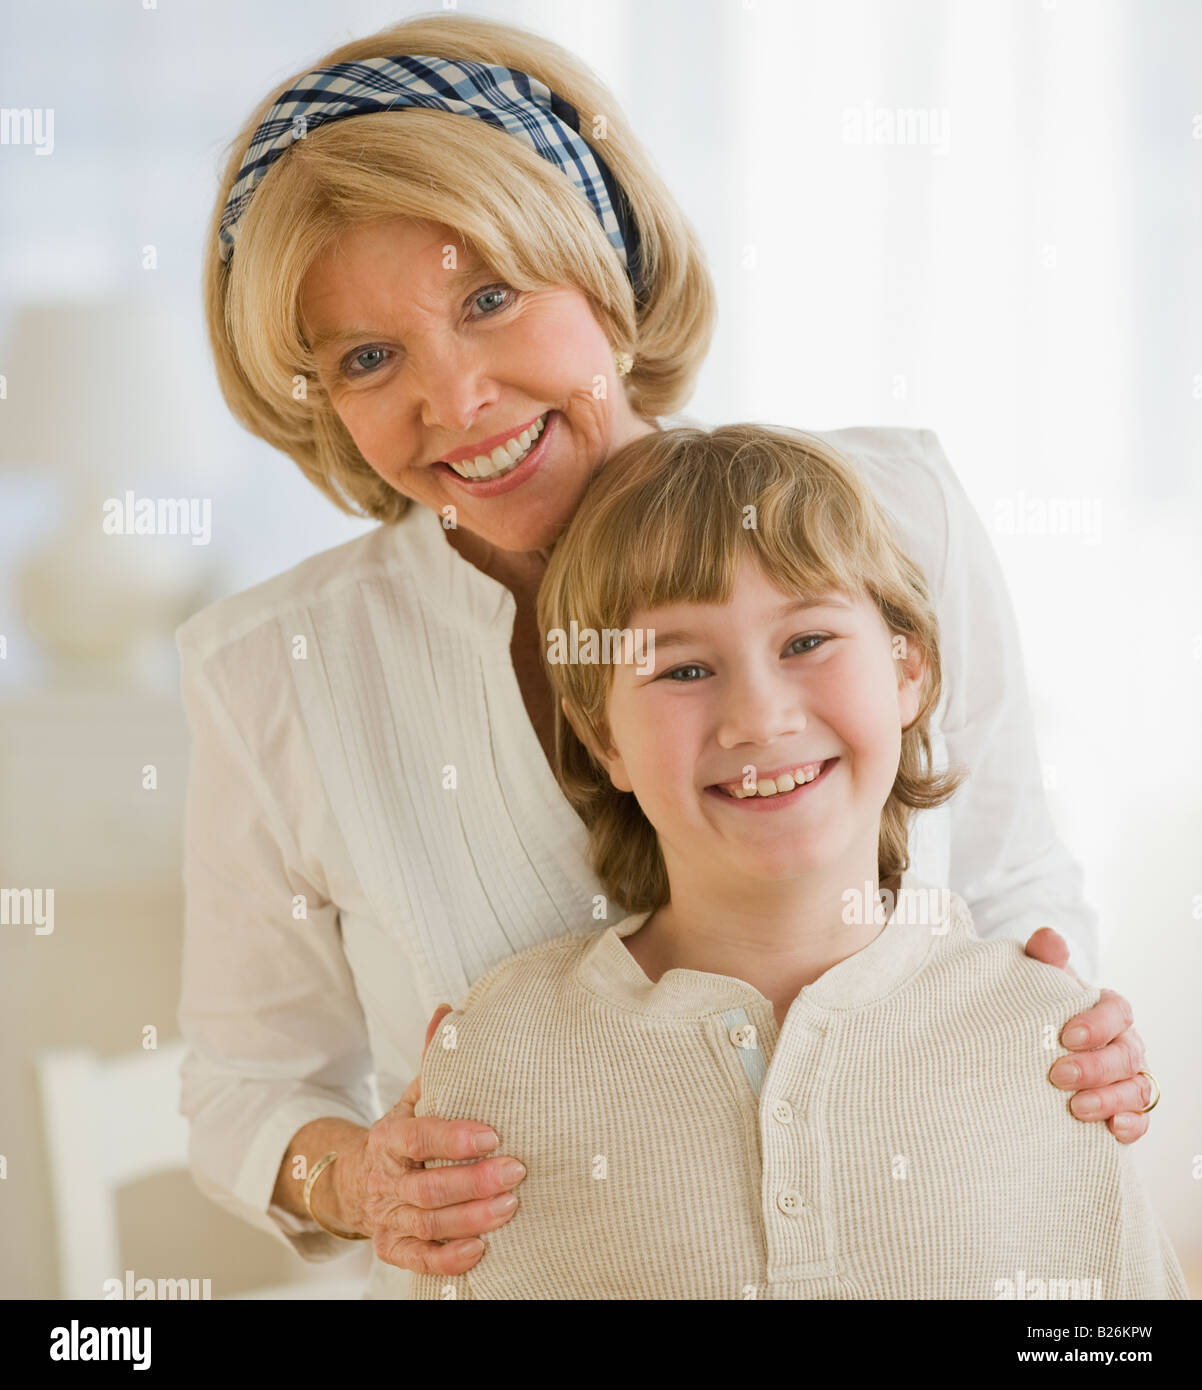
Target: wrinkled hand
[410,1210]
[1106,1053]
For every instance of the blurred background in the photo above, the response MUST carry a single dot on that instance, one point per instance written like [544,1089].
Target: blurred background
[983,219]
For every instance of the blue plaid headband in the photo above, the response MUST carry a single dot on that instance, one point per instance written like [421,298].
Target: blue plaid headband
[510,100]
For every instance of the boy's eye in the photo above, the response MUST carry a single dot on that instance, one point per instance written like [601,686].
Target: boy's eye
[817,639]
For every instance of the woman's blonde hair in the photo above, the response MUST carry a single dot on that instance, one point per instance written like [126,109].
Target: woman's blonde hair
[668,519]
[519,213]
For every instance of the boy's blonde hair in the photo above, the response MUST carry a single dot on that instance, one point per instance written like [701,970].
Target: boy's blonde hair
[667,519]
[520,214]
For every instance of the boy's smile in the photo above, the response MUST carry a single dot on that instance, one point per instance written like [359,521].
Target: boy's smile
[758,786]
[765,740]
[762,747]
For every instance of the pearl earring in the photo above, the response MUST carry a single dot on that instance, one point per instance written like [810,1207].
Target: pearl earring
[624,362]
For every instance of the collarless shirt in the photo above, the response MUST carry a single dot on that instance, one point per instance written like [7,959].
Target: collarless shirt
[895,1138]
[372,823]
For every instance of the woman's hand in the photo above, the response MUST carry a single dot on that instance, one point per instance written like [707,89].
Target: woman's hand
[409,1210]
[1108,1054]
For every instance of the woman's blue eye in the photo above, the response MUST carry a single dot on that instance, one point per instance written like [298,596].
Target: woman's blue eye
[355,358]
[496,289]
[811,637]
[367,352]
[679,669]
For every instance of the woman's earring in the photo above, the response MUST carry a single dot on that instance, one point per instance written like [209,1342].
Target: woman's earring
[624,362]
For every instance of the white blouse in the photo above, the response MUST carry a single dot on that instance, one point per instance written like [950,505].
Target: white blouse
[372,823]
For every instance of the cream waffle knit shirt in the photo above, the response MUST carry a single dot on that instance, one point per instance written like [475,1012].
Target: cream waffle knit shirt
[896,1138]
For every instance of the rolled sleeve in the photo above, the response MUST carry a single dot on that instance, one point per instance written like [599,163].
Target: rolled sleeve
[274,1028]
[1006,859]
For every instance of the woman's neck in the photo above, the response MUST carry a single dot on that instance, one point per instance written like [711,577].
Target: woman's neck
[521,571]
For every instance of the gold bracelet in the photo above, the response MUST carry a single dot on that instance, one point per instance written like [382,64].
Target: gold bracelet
[318,1168]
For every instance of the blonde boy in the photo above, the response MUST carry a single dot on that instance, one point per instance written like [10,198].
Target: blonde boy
[787,1068]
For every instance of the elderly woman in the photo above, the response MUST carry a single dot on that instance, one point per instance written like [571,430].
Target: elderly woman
[443,272]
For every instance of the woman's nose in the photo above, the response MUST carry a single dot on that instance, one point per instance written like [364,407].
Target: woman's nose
[452,384]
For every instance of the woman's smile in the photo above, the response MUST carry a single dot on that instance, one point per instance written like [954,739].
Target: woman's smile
[496,455]
[521,463]
[459,389]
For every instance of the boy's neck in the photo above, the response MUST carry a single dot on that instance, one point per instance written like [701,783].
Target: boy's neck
[778,936]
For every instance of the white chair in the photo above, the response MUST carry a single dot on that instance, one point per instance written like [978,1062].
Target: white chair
[110,1122]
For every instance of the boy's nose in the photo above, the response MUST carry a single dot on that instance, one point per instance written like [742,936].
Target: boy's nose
[760,713]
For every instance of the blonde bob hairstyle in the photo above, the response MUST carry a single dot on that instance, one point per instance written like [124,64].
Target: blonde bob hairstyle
[519,213]
[665,521]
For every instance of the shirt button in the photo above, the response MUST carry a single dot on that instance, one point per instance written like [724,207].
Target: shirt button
[783,1112]
[743,1035]
[790,1202]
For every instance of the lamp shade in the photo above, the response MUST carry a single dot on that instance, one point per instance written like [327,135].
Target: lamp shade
[101,397]
[102,387]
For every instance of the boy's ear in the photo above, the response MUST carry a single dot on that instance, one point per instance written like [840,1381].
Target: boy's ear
[577,729]
[911,676]
[608,759]
[567,714]
[581,732]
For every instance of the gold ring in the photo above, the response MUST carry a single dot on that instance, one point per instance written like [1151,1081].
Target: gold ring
[1156,1098]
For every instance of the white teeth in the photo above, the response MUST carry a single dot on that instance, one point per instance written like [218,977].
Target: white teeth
[504,457]
[766,786]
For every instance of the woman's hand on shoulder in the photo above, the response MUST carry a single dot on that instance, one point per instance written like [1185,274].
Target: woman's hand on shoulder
[428,1219]
[1106,1054]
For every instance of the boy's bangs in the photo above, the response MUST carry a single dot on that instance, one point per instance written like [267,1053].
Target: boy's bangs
[692,553]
